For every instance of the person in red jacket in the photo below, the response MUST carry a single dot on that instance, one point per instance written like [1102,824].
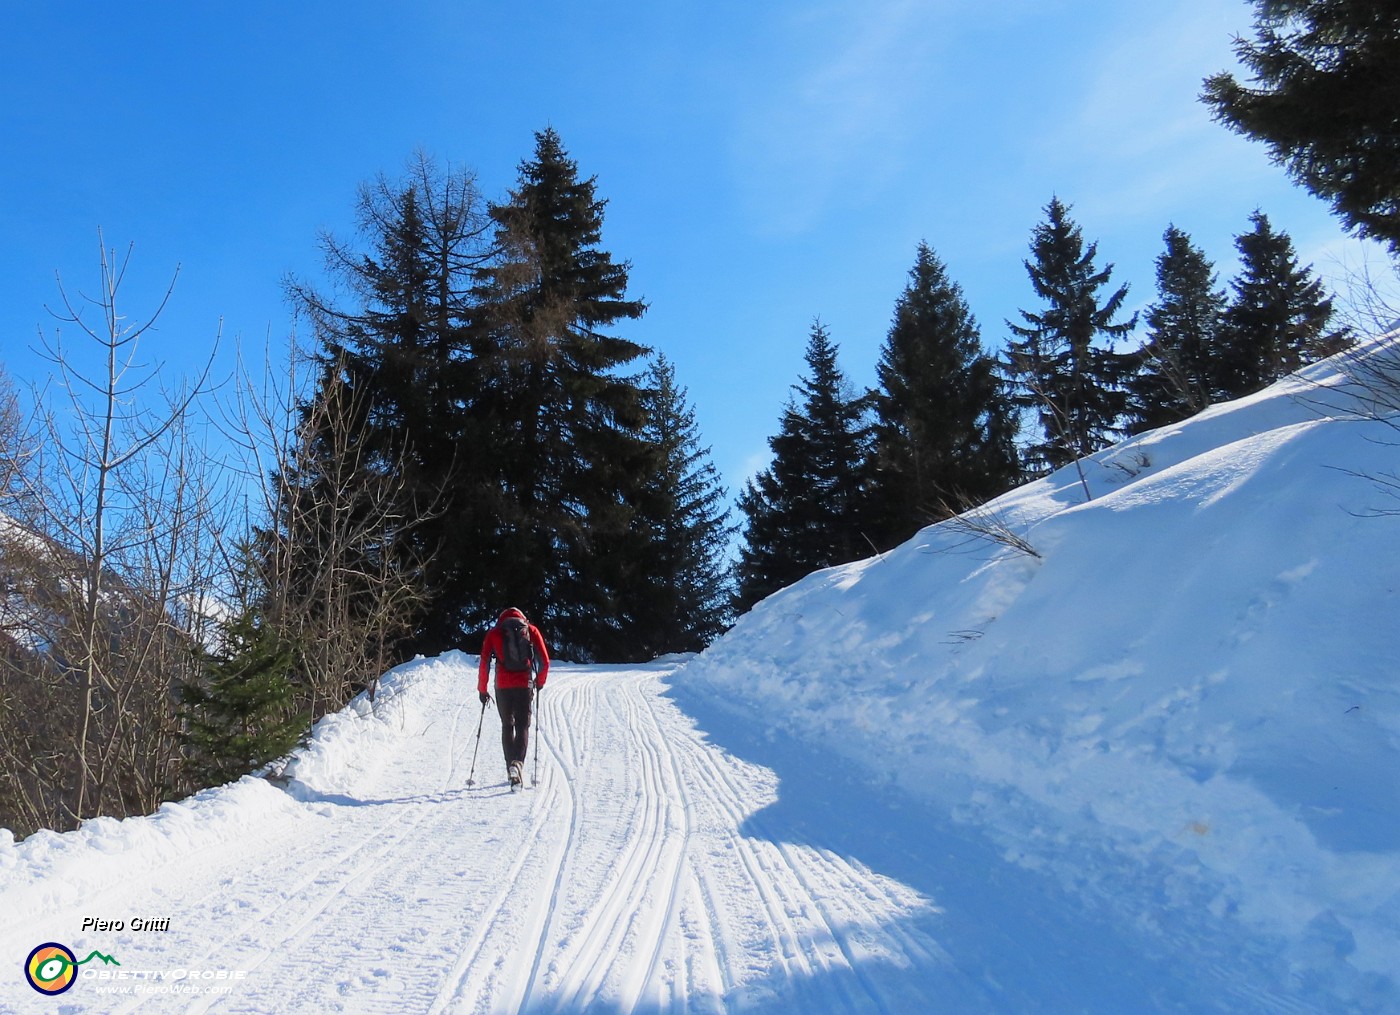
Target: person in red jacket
[522,666]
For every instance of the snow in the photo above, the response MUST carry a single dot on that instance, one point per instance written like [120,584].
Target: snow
[1198,676]
[1153,767]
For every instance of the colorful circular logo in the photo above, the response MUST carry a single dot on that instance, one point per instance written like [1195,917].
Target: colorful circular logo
[51,968]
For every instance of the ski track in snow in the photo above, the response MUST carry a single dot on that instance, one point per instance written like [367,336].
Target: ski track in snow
[629,879]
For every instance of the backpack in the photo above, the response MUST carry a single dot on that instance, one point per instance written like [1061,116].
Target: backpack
[517,654]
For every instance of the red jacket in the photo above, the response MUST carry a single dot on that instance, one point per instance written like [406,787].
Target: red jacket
[493,646]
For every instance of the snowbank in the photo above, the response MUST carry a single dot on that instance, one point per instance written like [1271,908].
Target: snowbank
[48,871]
[1194,673]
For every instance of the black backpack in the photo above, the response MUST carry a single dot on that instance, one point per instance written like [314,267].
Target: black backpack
[517,654]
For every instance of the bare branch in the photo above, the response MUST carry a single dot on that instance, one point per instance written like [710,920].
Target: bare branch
[987,522]
[118,508]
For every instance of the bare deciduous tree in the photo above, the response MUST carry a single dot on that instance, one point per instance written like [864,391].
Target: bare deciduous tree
[111,540]
[321,568]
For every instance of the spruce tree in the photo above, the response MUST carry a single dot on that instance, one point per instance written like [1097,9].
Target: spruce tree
[1181,358]
[241,715]
[944,431]
[576,461]
[407,345]
[810,508]
[1278,317]
[1326,100]
[683,594]
[1059,363]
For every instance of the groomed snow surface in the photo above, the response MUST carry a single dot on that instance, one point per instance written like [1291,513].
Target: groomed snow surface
[1152,766]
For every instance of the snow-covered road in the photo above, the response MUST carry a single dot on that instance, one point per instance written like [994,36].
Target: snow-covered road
[627,880]
[676,856]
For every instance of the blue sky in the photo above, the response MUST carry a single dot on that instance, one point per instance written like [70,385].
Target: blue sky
[765,164]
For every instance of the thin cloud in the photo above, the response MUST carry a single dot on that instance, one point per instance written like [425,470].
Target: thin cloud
[1139,129]
[839,122]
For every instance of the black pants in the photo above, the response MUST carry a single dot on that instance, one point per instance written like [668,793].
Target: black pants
[514,705]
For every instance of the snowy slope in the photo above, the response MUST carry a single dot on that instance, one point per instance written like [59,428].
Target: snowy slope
[1198,678]
[1154,768]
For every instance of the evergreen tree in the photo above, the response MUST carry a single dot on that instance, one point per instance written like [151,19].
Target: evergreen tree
[944,431]
[1326,101]
[1277,320]
[1075,386]
[577,462]
[683,593]
[241,715]
[1180,360]
[809,509]
[409,349]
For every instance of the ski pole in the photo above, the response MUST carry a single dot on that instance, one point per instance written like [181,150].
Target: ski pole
[535,720]
[471,780]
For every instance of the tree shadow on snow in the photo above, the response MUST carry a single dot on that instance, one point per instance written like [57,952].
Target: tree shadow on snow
[1011,939]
